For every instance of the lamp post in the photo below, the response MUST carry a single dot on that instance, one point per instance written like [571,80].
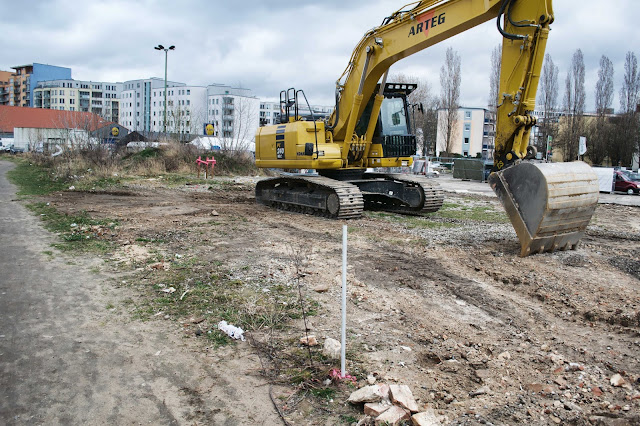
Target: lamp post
[166,52]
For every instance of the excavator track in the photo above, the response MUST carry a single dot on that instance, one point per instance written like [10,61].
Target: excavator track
[316,195]
[428,198]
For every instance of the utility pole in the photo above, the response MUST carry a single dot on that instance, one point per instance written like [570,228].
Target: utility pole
[166,52]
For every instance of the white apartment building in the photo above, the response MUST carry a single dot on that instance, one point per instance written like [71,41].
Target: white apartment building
[136,102]
[234,113]
[473,133]
[100,98]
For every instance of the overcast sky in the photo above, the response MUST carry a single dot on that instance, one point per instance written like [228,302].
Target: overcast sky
[271,46]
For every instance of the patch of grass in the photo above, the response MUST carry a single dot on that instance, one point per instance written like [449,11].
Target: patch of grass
[109,306]
[474,213]
[218,338]
[323,393]
[411,222]
[34,180]
[204,289]
[78,232]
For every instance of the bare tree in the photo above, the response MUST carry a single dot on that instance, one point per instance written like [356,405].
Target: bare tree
[239,123]
[548,101]
[494,79]
[600,131]
[450,79]
[628,141]
[185,122]
[574,100]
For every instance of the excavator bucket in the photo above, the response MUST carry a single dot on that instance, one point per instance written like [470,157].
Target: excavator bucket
[549,205]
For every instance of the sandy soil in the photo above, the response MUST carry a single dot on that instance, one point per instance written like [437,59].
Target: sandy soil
[440,303]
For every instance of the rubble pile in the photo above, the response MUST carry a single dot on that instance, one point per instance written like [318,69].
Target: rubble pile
[391,405]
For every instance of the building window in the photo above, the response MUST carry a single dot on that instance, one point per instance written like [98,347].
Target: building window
[466,141]
[467,114]
[188,102]
[467,127]
[188,91]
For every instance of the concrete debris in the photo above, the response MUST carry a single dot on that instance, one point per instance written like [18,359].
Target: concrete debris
[402,395]
[384,391]
[321,288]
[504,356]
[159,266]
[393,416]
[574,366]
[366,394]
[480,391]
[214,213]
[309,340]
[331,348]
[374,409]
[371,379]
[617,380]
[426,418]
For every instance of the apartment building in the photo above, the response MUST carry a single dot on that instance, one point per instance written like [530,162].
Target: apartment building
[99,98]
[233,111]
[25,78]
[137,99]
[5,87]
[473,133]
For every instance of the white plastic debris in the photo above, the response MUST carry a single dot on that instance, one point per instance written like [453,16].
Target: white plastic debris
[231,330]
[169,290]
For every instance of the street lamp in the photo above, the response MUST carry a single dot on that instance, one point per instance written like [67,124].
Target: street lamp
[166,51]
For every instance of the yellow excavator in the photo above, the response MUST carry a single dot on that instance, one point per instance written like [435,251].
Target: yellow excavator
[549,205]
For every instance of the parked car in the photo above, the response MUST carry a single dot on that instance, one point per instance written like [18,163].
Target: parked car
[625,184]
[631,175]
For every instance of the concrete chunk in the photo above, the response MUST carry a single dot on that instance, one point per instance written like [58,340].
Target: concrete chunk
[331,348]
[402,395]
[366,394]
[426,418]
[374,409]
[393,416]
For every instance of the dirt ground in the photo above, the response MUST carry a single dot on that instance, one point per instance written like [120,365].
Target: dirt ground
[441,303]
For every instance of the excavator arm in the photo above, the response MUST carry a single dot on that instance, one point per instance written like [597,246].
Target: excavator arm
[549,205]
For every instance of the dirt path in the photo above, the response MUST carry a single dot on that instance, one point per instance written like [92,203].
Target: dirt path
[68,357]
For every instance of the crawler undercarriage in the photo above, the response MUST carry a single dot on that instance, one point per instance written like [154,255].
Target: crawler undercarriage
[345,196]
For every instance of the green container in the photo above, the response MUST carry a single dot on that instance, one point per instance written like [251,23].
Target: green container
[468,168]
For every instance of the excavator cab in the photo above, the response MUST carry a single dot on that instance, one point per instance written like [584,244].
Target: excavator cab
[393,136]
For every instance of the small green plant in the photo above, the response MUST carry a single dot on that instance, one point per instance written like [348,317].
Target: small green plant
[323,393]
